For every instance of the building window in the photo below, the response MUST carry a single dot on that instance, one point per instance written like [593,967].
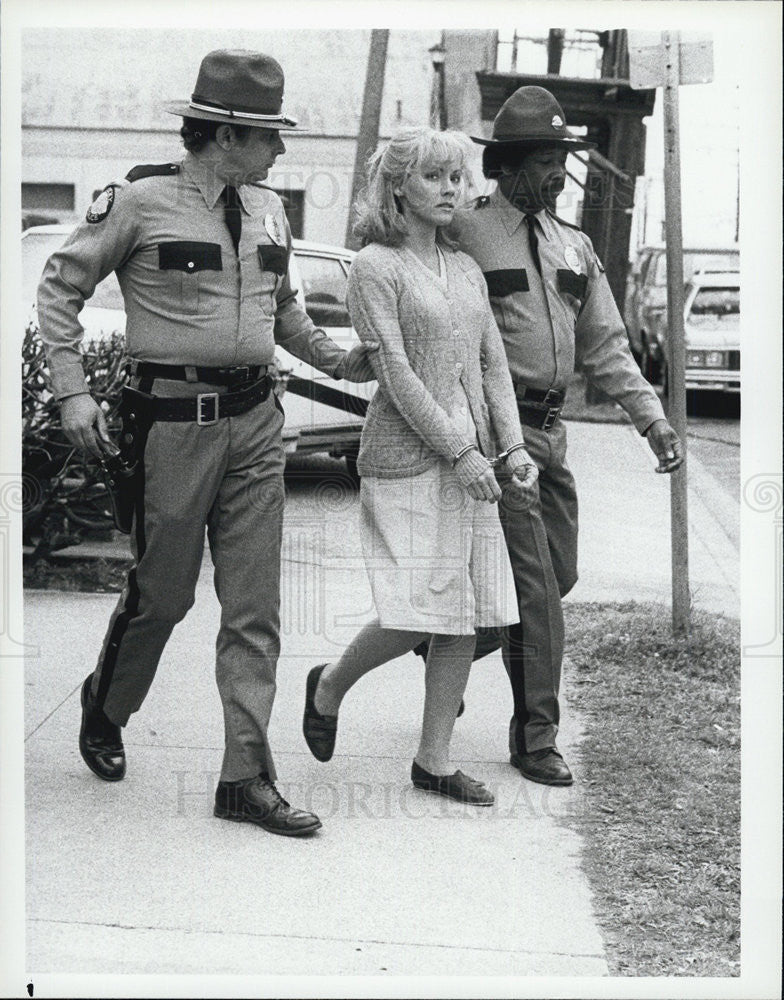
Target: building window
[580,52]
[294,204]
[48,197]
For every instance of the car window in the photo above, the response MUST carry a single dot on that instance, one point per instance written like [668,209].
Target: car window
[646,266]
[714,306]
[36,250]
[324,283]
[694,261]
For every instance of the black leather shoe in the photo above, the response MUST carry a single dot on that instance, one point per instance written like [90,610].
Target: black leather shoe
[258,801]
[100,740]
[421,649]
[454,786]
[320,731]
[546,766]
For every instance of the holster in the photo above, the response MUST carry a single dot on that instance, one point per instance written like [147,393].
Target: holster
[123,473]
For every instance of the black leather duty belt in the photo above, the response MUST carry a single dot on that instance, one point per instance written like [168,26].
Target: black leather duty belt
[197,373]
[539,408]
[205,409]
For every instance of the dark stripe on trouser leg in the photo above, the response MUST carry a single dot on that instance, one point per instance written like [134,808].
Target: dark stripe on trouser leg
[517,678]
[131,609]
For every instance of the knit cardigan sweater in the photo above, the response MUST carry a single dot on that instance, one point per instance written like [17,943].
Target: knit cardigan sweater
[431,337]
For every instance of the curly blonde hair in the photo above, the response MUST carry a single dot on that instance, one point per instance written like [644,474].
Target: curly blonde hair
[378,213]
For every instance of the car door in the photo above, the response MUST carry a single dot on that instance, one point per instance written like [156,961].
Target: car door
[314,401]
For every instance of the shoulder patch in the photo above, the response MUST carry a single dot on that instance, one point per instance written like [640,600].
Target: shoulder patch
[152,170]
[102,205]
[563,222]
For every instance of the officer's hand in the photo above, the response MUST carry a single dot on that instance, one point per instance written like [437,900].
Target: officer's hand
[355,366]
[84,425]
[665,445]
[524,476]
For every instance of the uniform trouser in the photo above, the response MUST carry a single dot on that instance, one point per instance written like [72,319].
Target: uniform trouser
[542,547]
[229,477]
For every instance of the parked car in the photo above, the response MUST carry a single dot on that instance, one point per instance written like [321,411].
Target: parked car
[711,322]
[322,415]
[646,299]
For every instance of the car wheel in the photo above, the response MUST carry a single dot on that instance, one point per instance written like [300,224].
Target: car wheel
[351,466]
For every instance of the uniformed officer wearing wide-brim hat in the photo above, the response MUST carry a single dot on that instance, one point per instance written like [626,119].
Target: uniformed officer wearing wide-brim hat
[238,87]
[556,313]
[201,252]
[532,117]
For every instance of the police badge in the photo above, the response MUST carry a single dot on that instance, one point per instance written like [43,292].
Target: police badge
[273,229]
[571,258]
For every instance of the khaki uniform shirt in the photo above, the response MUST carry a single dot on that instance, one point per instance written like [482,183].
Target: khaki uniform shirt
[190,299]
[563,320]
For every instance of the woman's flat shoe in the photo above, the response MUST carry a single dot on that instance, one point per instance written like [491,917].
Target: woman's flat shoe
[319,730]
[456,786]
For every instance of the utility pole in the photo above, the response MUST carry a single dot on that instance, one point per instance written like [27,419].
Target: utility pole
[367,140]
[679,508]
[668,60]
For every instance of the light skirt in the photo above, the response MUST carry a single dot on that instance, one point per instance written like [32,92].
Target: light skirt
[436,558]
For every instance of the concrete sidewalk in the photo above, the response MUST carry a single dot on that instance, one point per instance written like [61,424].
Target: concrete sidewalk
[139,877]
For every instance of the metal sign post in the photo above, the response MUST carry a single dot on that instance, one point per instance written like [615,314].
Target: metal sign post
[668,60]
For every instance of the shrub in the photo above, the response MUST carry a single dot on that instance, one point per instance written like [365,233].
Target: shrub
[64,494]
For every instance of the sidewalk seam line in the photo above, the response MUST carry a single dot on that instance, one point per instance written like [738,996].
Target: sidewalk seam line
[313,937]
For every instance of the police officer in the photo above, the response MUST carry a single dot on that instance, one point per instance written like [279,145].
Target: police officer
[201,252]
[556,313]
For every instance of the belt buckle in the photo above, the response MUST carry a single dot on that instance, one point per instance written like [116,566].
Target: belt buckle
[550,417]
[240,373]
[207,398]
[549,396]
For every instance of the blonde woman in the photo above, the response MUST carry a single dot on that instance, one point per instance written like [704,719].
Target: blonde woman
[430,532]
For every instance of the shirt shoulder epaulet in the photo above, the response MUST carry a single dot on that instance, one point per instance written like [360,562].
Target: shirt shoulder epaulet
[152,170]
[563,222]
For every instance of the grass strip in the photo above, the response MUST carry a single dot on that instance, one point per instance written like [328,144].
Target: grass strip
[660,769]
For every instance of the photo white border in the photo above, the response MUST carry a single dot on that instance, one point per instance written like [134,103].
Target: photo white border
[757,26]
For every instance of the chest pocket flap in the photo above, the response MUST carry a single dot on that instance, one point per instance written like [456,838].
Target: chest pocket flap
[273,258]
[574,284]
[501,283]
[189,256]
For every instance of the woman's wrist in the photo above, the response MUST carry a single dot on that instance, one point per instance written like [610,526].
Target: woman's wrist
[463,451]
[470,465]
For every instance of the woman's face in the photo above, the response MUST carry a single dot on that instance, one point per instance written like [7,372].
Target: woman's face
[430,193]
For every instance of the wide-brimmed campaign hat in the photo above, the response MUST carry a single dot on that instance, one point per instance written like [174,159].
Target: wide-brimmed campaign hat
[532,116]
[237,87]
